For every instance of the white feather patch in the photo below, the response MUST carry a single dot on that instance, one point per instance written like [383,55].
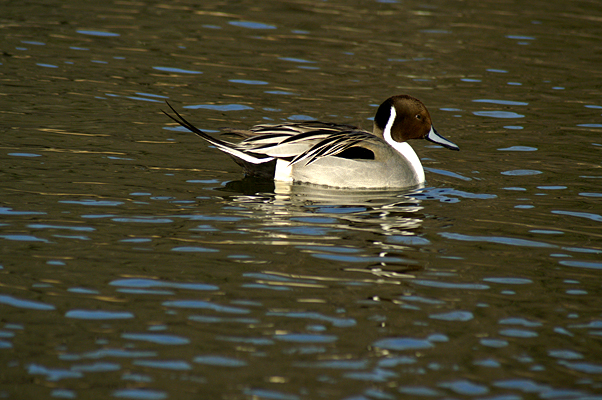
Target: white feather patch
[284,171]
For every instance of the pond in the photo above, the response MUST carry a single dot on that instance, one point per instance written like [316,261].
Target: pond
[138,263]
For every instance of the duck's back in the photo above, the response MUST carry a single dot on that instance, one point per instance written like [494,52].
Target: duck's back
[288,128]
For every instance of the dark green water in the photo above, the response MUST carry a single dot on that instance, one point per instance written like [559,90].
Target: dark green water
[136,263]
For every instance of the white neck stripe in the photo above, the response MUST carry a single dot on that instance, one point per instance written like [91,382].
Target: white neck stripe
[403,147]
[387,131]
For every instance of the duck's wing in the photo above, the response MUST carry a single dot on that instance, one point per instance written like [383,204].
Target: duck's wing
[283,144]
[295,142]
[287,129]
[309,146]
[291,139]
[351,144]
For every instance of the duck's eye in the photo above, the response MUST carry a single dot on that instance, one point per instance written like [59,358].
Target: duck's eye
[418,116]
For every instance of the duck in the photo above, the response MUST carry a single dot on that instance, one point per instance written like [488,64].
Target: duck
[332,154]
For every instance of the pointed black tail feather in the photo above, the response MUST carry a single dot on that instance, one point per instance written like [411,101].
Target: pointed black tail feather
[227,147]
[183,122]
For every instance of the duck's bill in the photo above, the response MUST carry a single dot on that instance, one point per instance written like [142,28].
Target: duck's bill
[434,137]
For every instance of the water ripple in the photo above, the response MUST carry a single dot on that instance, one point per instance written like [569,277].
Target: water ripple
[108,352]
[464,387]
[450,285]
[9,211]
[176,70]
[53,374]
[443,194]
[218,320]
[91,202]
[251,25]
[194,249]
[503,102]
[519,321]
[495,239]
[509,281]
[520,333]
[305,338]
[269,394]
[145,220]
[148,283]
[220,361]
[248,81]
[140,394]
[583,367]
[447,173]
[98,33]
[26,154]
[205,305]
[24,238]
[220,107]
[592,216]
[156,338]
[296,60]
[453,316]
[335,364]
[253,341]
[401,343]
[498,114]
[376,375]
[419,391]
[338,322]
[565,354]
[98,314]
[20,303]
[176,365]
[71,228]
[582,264]
[519,148]
[63,393]
[521,172]
[97,367]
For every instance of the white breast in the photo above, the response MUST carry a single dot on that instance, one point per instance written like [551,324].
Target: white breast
[408,152]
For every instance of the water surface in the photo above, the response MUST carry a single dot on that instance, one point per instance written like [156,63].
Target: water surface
[136,263]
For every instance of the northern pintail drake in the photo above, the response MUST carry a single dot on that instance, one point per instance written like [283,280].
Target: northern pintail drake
[335,154]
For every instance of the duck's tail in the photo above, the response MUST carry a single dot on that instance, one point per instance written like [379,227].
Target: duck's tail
[241,157]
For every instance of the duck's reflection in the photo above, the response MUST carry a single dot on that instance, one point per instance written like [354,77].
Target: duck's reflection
[302,194]
[373,231]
